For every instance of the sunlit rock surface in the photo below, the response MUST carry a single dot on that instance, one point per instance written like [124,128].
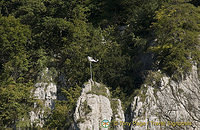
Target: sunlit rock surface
[171,105]
[93,106]
[45,92]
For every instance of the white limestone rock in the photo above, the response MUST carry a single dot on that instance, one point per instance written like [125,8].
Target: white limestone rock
[92,108]
[119,116]
[46,93]
[173,101]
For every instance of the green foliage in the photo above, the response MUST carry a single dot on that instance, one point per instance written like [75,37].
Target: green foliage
[72,94]
[139,14]
[60,117]
[114,105]
[16,101]
[14,40]
[153,79]
[86,108]
[113,62]
[176,31]
[62,114]
[195,2]
[15,105]
[99,90]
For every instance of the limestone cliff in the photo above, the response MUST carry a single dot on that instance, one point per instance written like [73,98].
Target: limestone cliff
[95,105]
[162,103]
[168,104]
[45,93]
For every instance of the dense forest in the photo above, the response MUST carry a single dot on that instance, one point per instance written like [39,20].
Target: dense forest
[129,37]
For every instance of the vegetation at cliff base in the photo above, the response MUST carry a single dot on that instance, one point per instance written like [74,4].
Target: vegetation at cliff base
[129,37]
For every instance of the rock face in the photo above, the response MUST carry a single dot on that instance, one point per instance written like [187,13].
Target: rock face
[45,92]
[168,105]
[118,114]
[93,106]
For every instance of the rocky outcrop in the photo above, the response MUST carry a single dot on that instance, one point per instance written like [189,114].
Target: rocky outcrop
[95,105]
[45,93]
[118,114]
[168,105]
